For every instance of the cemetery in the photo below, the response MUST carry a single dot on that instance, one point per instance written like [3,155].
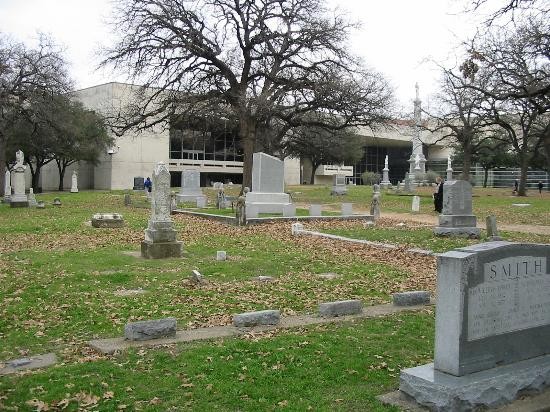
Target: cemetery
[252,310]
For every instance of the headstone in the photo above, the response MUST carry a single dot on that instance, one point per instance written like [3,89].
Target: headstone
[202,202]
[40,205]
[296,228]
[408,183]
[416,204]
[7,187]
[197,277]
[412,298]
[456,218]
[56,201]
[107,220]
[160,235]
[127,200]
[190,186]
[221,255]
[262,317]
[492,328]
[340,308]
[31,198]
[19,198]
[385,183]
[347,209]
[492,230]
[74,182]
[139,183]
[150,329]
[315,210]
[267,184]
[252,211]
[375,205]
[339,187]
[289,210]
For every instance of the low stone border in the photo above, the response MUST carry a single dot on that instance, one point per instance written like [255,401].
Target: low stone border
[33,362]
[412,298]
[340,308]
[112,345]
[262,317]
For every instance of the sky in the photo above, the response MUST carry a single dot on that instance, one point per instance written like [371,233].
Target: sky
[399,38]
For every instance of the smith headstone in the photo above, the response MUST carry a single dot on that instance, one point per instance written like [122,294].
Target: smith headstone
[492,327]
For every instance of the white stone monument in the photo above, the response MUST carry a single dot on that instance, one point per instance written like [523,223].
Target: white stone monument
[160,235]
[31,198]
[449,169]
[74,182]
[417,166]
[416,204]
[385,183]
[268,185]
[19,198]
[7,187]
[190,186]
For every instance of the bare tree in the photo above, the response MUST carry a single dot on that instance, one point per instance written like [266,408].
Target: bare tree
[25,72]
[270,60]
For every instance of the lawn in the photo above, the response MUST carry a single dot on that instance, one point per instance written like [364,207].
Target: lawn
[63,282]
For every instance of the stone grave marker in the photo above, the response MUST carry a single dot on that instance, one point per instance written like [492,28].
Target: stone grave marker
[127,200]
[7,187]
[315,210]
[19,198]
[107,220]
[139,183]
[74,182]
[492,230]
[339,187]
[416,204]
[190,186]
[456,218]
[160,235]
[289,210]
[56,201]
[31,198]
[492,328]
[347,209]
[375,203]
[267,184]
[221,255]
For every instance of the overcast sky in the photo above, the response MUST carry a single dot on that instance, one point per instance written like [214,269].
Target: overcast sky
[397,37]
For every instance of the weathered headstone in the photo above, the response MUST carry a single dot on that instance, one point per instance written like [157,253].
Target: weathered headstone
[340,308]
[262,317]
[19,198]
[296,228]
[347,209]
[492,328]
[139,183]
[339,187]
[56,201]
[408,184]
[202,201]
[190,186]
[267,184]
[127,200]
[107,220]
[252,211]
[150,329]
[40,205]
[74,182]
[456,218]
[375,203]
[289,210]
[31,198]
[416,204]
[492,230]
[385,183]
[197,277]
[160,235]
[221,255]
[315,210]
[7,187]
[415,297]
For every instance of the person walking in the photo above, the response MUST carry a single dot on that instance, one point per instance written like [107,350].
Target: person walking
[516,184]
[438,195]
[148,185]
[540,186]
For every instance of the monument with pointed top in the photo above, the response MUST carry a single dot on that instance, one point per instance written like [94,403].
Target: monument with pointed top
[449,169]
[385,183]
[160,236]
[7,187]
[19,198]
[74,182]
[417,166]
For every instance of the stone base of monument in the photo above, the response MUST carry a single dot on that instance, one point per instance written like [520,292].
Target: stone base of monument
[107,220]
[19,201]
[339,190]
[489,388]
[182,198]
[267,202]
[385,185]
[161,250]
[458,226]
[468,232]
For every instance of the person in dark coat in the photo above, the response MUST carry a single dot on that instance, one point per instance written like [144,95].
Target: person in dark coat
[438,195]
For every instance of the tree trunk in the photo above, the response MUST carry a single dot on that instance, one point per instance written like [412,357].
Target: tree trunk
[247,134]
[524,165]
[466,163]
[36,178]
[313,170]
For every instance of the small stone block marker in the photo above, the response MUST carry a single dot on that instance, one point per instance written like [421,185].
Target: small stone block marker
[197,277]
[315,210]
[221,255]
[297,228]
[262,317]
[412,298]
[108,220]
[57,202]
[33,362]
[340,308]
[492,230]
[347,209]
[150,329]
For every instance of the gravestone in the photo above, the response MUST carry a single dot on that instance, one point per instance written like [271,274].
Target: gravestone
[315,210]
[268,185]
[492,230]
[107,220]
[416,204]
[139,183]
[221,255]
[456,218]
[74,182]
[31,198]
[385,183]
[201,202]
[160,235]
[375,203]
[492,328]
[40,205]
[19,198]
[339,187]
[252,211]
[190,186]
[127,200]
[408,184]
[289,210]
[347,209]
[7,187]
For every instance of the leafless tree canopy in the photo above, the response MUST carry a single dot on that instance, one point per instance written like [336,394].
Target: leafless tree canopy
[263,61]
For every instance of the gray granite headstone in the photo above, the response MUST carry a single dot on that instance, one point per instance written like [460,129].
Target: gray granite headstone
[139,183]
[492,327]
[7,187]
[150,329]
[268,177]
[160,235]
[315,210]
[107,220]
[347,209]
[339,185]
[416,204]
[456,218]
[31,198]
[190,186]
[492,230]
